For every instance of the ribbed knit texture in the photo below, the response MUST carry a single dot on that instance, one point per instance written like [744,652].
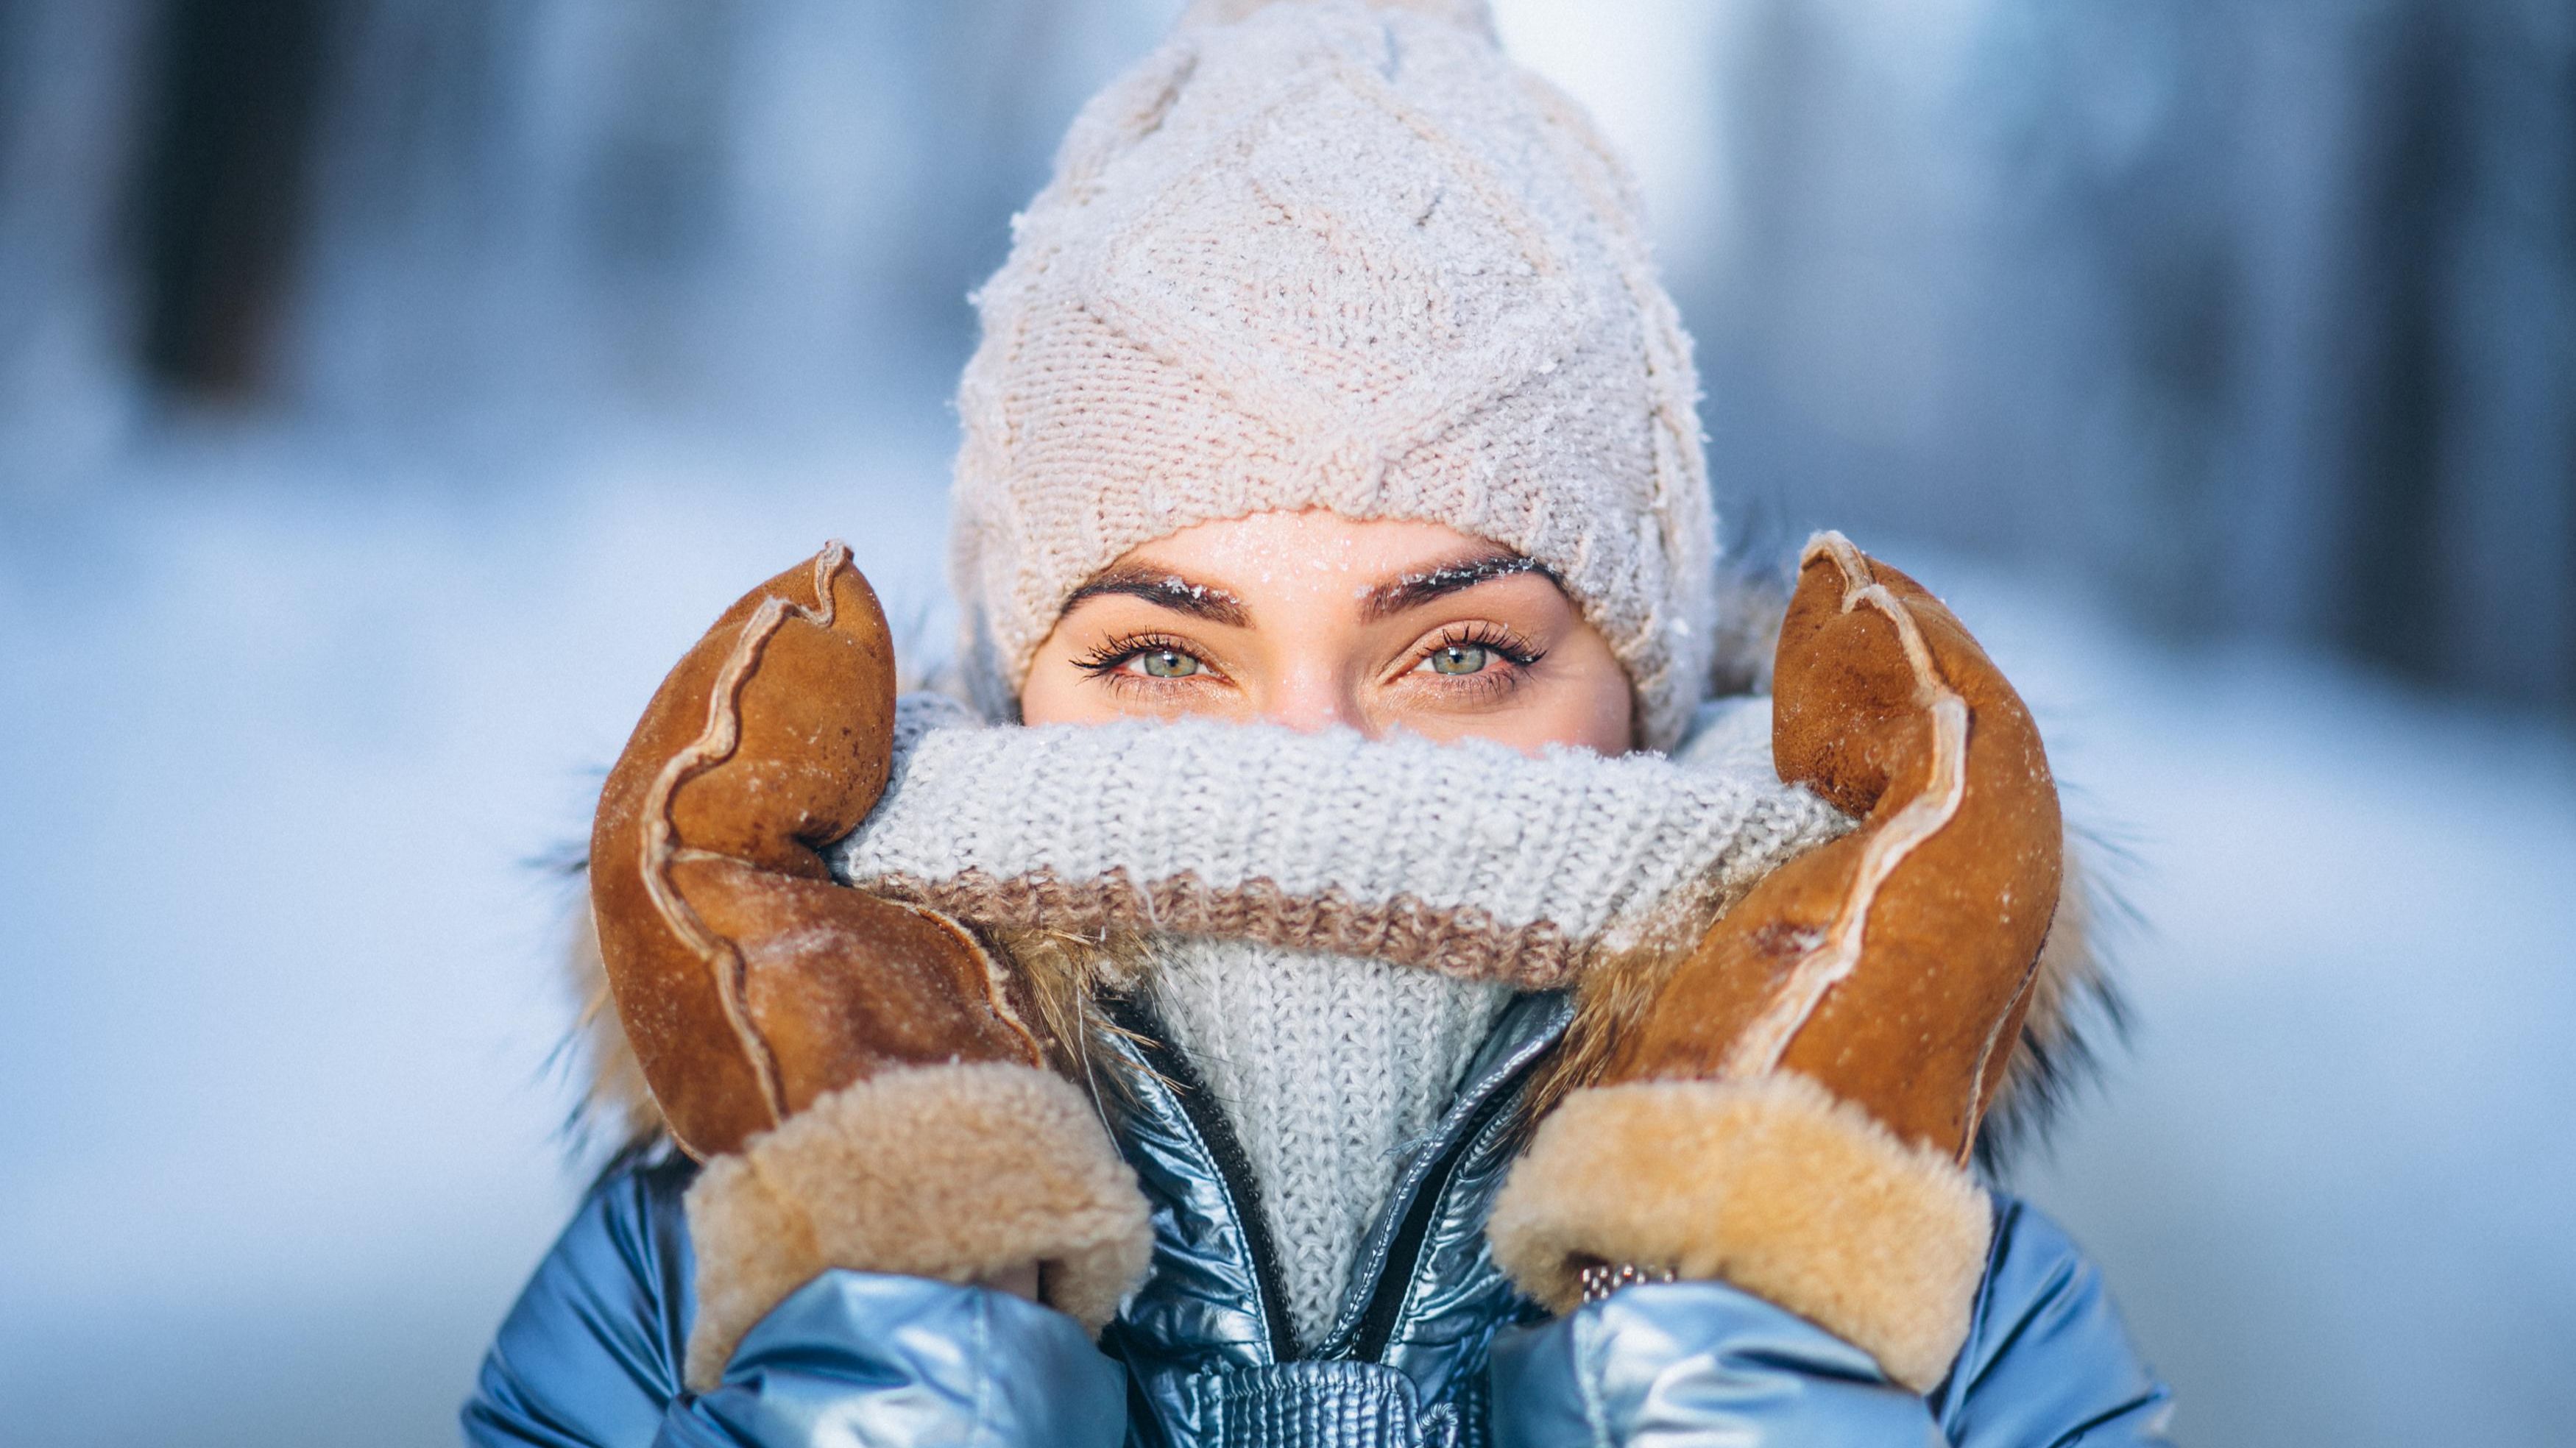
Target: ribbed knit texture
[1327,1067]
[1348,256]
[1469,858]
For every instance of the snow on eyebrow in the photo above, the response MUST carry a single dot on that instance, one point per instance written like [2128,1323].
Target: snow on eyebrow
[1171,590]
[1414,589]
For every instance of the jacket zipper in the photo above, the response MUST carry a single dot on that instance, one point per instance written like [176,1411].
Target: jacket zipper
[1498,1095]
[1395,1279]
[1233,1167]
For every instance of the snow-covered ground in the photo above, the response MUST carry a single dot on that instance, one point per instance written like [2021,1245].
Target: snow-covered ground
[288,720]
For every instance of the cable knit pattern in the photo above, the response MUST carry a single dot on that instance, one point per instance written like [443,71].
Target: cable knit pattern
[1469,859]
[1343,256]
[1327,1067]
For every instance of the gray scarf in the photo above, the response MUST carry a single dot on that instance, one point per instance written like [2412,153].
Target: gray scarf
[1331,924]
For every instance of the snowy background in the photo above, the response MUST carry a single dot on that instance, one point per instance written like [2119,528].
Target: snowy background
[390,389]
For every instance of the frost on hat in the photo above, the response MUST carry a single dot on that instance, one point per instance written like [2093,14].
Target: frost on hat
[1346,256]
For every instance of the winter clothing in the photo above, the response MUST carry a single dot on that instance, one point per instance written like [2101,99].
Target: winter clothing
[1433,1346]
[1326,1067]
[1342,256]
[1256,854]
[1403,850]
[1311,1073]
[792,1246]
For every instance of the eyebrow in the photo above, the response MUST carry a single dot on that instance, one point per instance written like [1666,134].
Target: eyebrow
[1164,588]
[1416,589]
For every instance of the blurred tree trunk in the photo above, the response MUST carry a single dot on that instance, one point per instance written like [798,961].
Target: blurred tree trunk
[219,195]
[2263,318]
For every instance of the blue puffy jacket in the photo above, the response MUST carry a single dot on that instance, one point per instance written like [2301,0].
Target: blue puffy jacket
[1433,1345]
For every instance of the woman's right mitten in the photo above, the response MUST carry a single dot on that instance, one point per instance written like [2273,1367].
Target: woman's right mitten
[859,1076]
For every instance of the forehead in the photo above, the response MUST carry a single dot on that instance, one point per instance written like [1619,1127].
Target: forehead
[1269,550]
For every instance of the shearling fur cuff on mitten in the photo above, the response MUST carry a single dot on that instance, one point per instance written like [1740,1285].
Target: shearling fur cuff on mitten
[1770,1184]
[958,1171]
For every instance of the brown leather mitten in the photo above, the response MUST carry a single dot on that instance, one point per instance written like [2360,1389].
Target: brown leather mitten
[1794,1109]
[859,1075]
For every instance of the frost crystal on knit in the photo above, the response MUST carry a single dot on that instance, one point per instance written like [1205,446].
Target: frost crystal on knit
[1339,256]
[1327,1067]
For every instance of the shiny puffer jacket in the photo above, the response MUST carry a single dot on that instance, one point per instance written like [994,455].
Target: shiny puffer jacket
[1433,1345]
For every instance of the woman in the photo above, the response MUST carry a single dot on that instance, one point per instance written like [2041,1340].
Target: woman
[1343,981]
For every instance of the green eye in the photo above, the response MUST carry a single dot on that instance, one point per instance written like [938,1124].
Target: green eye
[1460,659]
[1167,664]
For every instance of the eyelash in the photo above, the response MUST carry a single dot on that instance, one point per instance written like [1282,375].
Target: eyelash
[1514,649]
[1488,685]
[1108,662]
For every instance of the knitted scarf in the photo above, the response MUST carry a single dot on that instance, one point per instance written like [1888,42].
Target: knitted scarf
[1329,924]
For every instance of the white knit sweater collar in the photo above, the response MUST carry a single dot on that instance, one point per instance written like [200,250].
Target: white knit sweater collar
[1330,1069]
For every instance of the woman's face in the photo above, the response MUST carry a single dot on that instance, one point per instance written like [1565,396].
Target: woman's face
[1314,621]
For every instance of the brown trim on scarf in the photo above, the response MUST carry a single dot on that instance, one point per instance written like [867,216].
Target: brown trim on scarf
[1462,941]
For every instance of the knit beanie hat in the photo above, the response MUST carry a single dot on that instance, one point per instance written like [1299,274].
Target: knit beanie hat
[1341,255]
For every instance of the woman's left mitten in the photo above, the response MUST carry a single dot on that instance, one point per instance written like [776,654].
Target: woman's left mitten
[1794,1108]
[860,1076]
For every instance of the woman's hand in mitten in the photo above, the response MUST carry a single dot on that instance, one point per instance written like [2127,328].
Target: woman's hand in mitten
[1794,1108]
[860,1076]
